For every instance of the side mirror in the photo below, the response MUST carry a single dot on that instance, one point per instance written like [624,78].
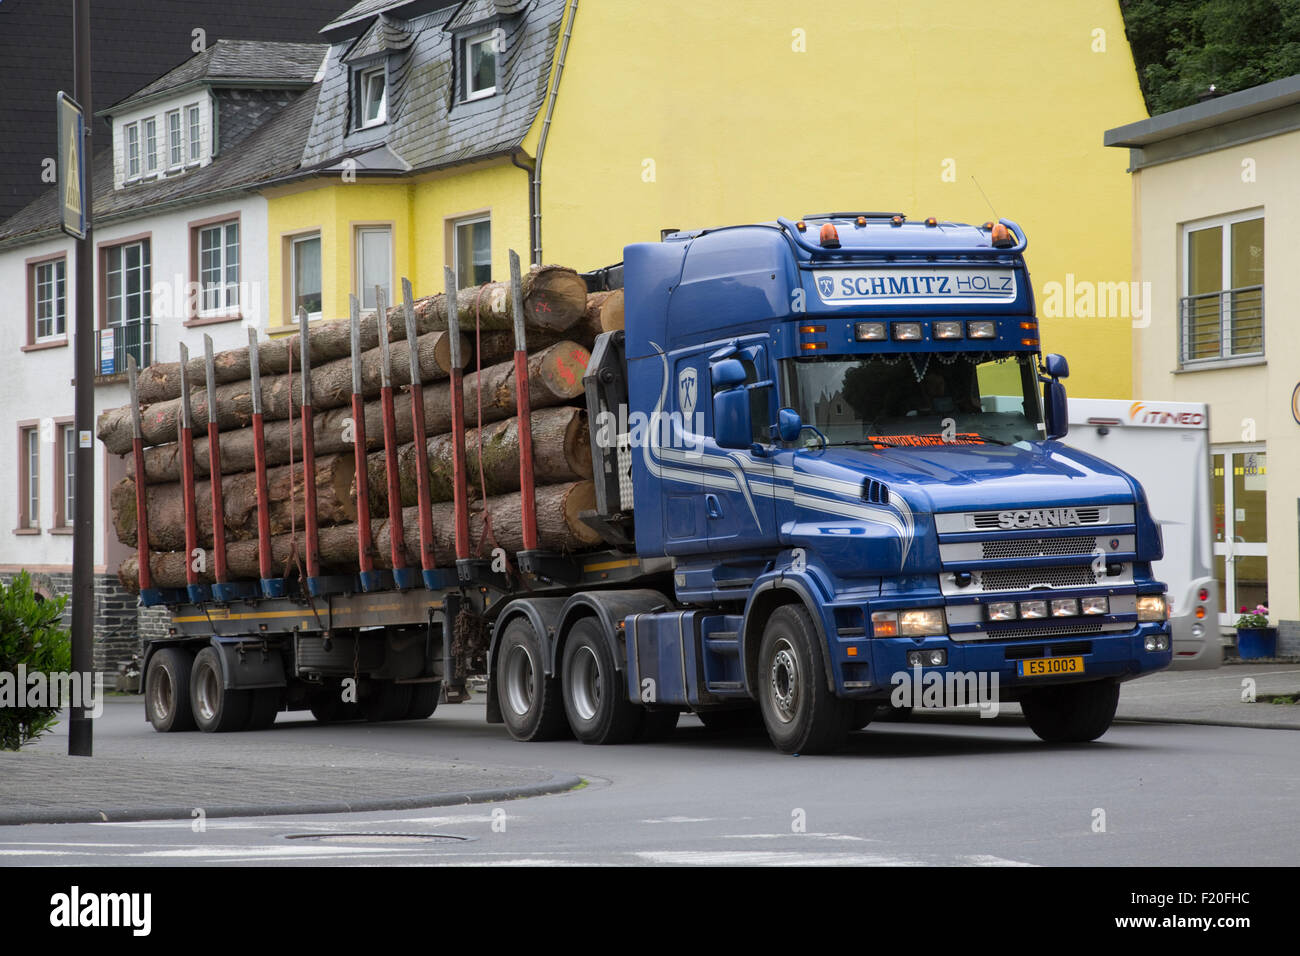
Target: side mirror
[727,373]
[1056,366]
[731,423]
[788,424]
[1054,406]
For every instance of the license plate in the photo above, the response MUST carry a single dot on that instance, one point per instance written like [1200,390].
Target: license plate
[1050,666]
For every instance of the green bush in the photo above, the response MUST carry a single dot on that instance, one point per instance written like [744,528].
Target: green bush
[30,634]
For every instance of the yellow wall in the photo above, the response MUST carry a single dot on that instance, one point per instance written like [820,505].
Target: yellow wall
[743,128]
[419,210]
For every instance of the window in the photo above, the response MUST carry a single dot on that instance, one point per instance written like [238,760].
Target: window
[49,298]
[1239,483]
[480,59]
[305,269]
[127,286]
[65,472]
[370,97]
[196,142]
[175,148]
[150,146]
[472,252]
[133,151]
[374,266]
[218,267]
[29,476]
[1222,311]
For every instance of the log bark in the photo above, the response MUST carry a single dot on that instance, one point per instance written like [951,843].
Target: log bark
[554,299]
[558,528]
[555,378]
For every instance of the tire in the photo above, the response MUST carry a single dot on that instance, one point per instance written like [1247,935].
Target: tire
[387,701]
[864,712]
[594,698]
[328,707]
[167,691]
[657,725]
[1071,713]
[532,706]
[424,700]
[726,721]
[801,713]
[266,703]
[216,709]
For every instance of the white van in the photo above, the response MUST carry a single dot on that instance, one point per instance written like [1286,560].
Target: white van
[1166,446]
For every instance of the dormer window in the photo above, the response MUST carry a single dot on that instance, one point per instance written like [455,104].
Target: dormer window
[480,59]
[133,151]
[150,146]
[175,144]
[370,97]
[195,130]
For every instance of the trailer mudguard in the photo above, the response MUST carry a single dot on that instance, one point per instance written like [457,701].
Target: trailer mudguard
[249,663]
[610,608]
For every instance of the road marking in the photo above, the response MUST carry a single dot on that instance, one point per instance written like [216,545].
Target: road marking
[772,858]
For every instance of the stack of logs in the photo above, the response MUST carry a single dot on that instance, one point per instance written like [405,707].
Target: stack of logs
[562,321]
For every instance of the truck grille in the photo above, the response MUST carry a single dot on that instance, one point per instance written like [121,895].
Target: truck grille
[1037,547]
[1046,630]
[1022,579]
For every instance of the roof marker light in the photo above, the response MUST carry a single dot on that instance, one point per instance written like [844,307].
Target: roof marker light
[830,237]
[987,226]
[801,226]
[932,222]
[897,220]
[862,220]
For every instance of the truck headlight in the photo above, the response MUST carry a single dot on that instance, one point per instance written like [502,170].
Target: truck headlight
[922,622]
[1151,607]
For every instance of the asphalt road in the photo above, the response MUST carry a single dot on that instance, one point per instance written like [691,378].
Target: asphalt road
[918,793]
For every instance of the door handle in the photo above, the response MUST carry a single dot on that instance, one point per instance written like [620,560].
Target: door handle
[712,506]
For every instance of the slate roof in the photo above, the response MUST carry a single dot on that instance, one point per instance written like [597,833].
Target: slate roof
[385,35]
[255,63]
[270,152]
[427,125]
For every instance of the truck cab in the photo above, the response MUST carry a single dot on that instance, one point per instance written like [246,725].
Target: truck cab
[843,434]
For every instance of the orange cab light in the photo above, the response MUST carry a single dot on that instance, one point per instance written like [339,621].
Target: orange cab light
[830,237]
[862,220]
[801,226]
[884,628]
[1002,236]
[932,221]
[987,226]
[897,220]
[809,329]
[812,346]
[851,651]
[1029,341]
[1029,325]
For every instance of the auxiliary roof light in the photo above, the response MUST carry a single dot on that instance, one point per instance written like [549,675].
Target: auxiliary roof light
[869,331]
[1002,237]
[830,236]
[947,329]
[982,329]
[907,331]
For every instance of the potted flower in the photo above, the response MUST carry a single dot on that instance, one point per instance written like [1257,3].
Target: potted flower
[1255,639]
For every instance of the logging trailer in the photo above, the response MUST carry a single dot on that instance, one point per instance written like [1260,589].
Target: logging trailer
[823,466]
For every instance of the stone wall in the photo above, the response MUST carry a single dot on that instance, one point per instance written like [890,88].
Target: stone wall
[119,625]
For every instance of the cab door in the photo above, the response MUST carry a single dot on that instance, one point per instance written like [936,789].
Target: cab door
[738,484]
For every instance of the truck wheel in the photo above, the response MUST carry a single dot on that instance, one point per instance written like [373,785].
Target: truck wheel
[1071,713]
[388,701]
[657,725]
[746,718]
[532,707]
[594,698]
[424,700]
[801,714]
[216,709]
[167,691]
[328,707]
[266,703]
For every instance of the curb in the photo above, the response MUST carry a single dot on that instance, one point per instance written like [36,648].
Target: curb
[1010,720]
[560,783]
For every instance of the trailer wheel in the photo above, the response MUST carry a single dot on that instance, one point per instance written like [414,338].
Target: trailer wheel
[424,700]
[801,714]
[388,701]
[328,707]
[167,691]
[266,703]
[216,709]
[532,707]
[594,697]
[1071,713]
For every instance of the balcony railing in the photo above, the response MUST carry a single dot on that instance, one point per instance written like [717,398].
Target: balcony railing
[1221,325]
[115,343]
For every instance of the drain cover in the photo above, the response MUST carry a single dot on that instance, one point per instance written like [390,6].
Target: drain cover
[382,839]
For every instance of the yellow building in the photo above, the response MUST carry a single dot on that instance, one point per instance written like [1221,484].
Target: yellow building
[433,114]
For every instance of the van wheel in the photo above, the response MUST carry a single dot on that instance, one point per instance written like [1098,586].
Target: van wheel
[801,713]
[1071,713]
[532,706]
[216,709]
[424,700]
[594,697]
[167,691]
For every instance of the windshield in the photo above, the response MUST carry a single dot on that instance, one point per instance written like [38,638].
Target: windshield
[916,398]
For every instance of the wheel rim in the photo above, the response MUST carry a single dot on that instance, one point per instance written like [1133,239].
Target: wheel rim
[161,694]
[519,672]
[584,683]
[783,681]
[209,694]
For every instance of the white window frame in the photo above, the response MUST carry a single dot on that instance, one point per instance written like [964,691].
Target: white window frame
[294,242]
[175,141]
[31,463]
[467,46]
[360,89]
[149,141]
[120,320]
[67,447]
[59,300]
[1225,224]
[358,261]
[224,286]
[193,134]
[131,150]
[455,244]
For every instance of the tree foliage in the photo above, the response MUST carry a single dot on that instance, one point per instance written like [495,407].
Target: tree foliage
[31,635]
[1183,47]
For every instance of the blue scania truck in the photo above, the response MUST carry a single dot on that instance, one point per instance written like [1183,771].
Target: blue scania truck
[827,460]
